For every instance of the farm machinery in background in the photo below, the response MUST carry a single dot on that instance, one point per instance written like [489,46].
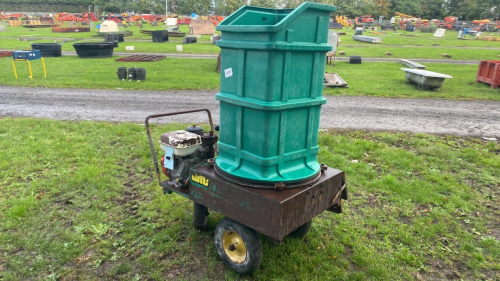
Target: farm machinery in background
[76,17]
[450,23]
[69,23]
[342,20]
[485,25]
[216,19]
[365,20]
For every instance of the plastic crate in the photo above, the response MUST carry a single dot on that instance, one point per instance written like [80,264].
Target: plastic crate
[489,73]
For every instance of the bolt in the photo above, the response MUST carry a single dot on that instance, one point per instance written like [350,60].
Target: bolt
[211,162]
[323,167]
[279,186]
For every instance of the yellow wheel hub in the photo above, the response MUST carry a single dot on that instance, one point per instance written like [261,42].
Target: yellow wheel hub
[234,246]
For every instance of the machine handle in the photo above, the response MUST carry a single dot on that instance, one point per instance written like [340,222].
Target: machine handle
[151,144]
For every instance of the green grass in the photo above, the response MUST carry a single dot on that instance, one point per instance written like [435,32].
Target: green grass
[423,45]
[386,79]
[79,202]
[73,72]
[420,46]
[378,51]
[139,46]
[406,38]
[21,32]
[381,79]
[142,43]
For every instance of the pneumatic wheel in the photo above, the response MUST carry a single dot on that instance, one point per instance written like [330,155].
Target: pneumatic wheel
[302,230]
[238,246]
[200,215]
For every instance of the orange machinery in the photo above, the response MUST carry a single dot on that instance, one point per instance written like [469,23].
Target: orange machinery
[449,22]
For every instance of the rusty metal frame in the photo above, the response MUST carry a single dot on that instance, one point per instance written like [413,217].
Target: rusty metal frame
[151,144]
[274,213]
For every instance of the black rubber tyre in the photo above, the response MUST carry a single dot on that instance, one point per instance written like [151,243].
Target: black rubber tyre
[302,230]
[47,49]
[239,246]
[200,215]
[94,50]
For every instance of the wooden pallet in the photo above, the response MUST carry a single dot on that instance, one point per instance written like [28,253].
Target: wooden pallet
[144,58]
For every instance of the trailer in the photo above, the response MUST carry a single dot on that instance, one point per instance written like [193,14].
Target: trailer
[261,171]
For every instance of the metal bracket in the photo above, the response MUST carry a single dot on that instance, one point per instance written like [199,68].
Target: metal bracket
[279,186]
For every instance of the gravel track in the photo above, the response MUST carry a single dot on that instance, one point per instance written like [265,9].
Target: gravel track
[465,118]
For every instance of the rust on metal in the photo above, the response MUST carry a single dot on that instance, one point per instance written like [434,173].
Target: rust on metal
[170,186]
[323,167]
[143,58]
[338,208]
[275,214]
[180,139]
[279,186]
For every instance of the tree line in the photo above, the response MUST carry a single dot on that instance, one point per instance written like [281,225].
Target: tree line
[425,9]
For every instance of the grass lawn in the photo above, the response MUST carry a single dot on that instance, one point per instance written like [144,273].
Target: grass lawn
[79,202]
[73,72]
[423,45]
[383,79]
[21,32]
[378,51]
[406,38]
[142,43]
[139,46]
[386,79]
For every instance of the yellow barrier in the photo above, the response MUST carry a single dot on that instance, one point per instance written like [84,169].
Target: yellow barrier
[29,67]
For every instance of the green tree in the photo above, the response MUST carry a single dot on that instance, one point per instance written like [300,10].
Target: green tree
[263,3]
[291,4]
[472,9]
[382,8]
[200,7]
[409,7]
[355,8]
[227,7]
[432,9]
[233,5]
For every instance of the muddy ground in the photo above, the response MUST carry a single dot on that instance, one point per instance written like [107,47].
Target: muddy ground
[466,118]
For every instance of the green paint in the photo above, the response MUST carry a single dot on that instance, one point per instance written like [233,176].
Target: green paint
[272,65]
[196,195]
[246,205]
[199,185]
[215,191]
